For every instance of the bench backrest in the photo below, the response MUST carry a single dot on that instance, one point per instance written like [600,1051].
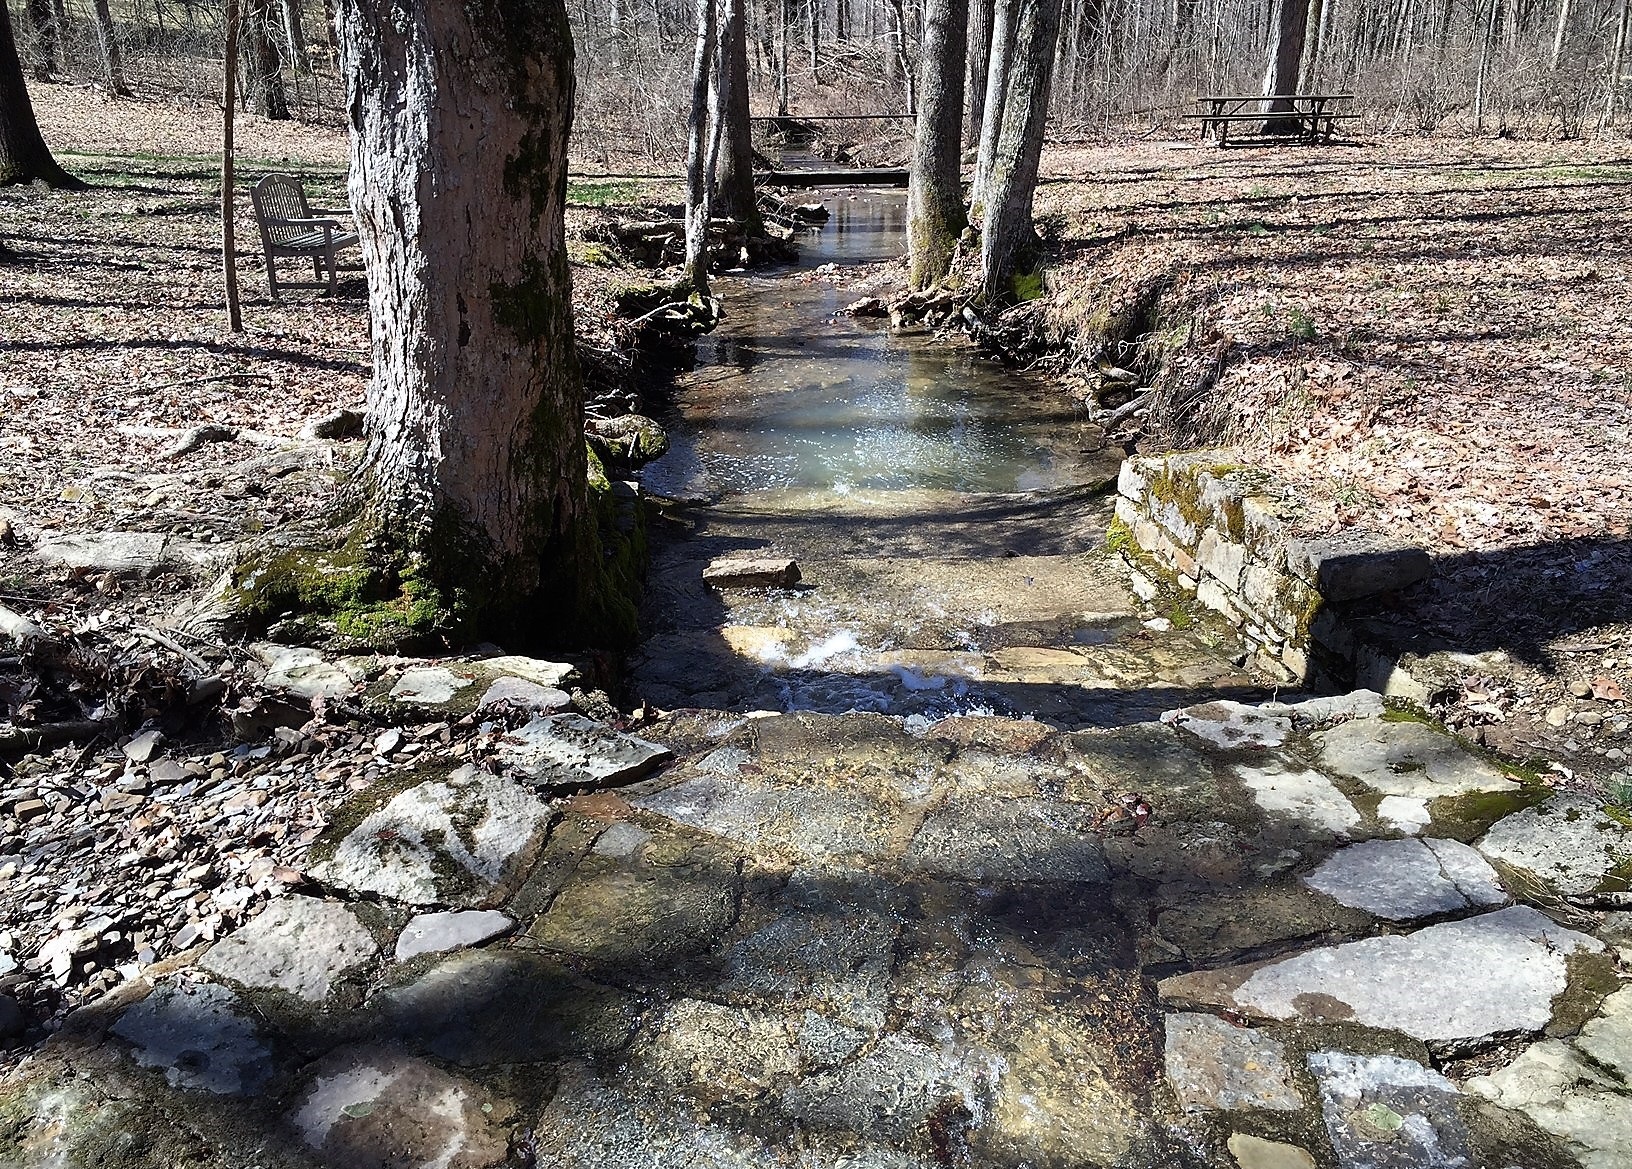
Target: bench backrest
[277,198]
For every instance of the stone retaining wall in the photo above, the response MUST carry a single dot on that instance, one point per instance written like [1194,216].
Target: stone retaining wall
[1229,535]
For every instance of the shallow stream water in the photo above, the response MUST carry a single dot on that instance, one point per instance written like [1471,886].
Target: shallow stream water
[787,393]
[948,516]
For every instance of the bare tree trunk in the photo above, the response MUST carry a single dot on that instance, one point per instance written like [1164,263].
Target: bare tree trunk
[782,35]
[1486,46]
[898,44]
[229,244]
[266,67]
[1286,58]
[294,34]
[813,26]
[699,182]
[113,66]
[1309,71]
[997,88]
[935,213]
[474,472]
[1008,231]
[735,187]
[979,58]
[47,38]
[1617,65]
[24,157]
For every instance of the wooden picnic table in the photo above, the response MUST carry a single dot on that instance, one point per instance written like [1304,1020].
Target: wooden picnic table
[1311,117]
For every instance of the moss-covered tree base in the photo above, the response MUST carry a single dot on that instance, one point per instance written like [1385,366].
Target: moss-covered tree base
[349,584]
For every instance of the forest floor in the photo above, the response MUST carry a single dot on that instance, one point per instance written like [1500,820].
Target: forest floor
[1427,338]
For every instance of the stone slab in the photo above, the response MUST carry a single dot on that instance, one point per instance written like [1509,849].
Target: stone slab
[568,750]
[1232,725]
[527,695]
[1213,1064]
[201,1035]
[305,673]
[538,671]
[1453,984]
[1569,1097]
[1569,842]
[457,841]
[799,821]
[436,933]
[1354,565]
[299,945]
[1403,880]
[1305,797]
[380,1108]
[992,838]
[1252,1152]
[731,572]
[1406,758]
[132,553]
[1386,1112]
[427,686]
[1407,814]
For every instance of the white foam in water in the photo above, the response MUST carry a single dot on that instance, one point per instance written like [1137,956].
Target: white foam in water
[824,651]
[913,680]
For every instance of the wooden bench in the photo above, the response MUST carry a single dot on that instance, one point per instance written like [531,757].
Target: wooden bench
[289,229]
[1310,118]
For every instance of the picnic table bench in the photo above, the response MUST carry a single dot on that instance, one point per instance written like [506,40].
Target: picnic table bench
[1303,117]
[288,228]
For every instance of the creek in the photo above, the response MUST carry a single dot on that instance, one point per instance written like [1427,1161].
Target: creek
[948,516]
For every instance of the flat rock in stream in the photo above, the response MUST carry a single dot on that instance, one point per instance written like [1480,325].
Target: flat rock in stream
[380,1108]
[305,673]
[1403,880]
[1386,1112]
[1213,1064]
[299,945]
[457,841]
[730,572]
[1405,758]
[568,750]
[1569,842]
[201,1035]
[1454,984]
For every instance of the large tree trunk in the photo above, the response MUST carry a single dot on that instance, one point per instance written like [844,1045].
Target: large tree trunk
[997,92]
[898,46]
[294,34]
[699,180]
[1008,233]
[474,472]
[734,194]
[935,214]
[271,99]
[1285,62]
[24,157]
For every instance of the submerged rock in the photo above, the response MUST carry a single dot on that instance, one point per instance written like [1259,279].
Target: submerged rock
[379,1108]
[1212,1063]
[1455,984]
[201,1035]
[987,838]
[1385,1112]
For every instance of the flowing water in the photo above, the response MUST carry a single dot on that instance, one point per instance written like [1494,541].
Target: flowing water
[948,515]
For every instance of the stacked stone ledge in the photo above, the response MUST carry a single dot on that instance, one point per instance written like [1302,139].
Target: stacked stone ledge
[1228,535]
